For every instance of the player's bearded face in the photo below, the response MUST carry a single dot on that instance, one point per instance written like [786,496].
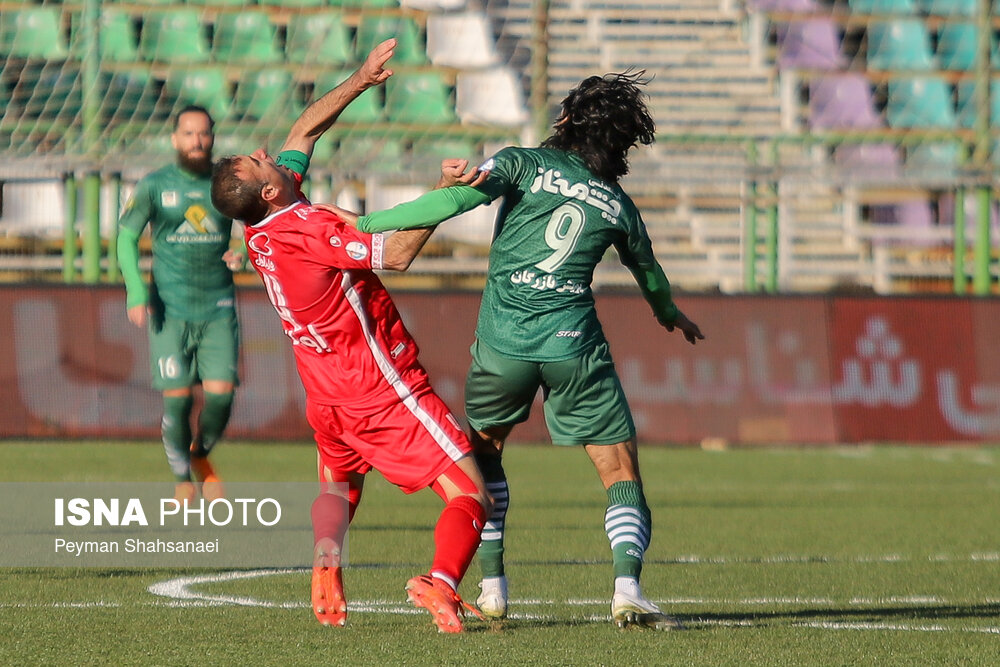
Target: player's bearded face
[193,140]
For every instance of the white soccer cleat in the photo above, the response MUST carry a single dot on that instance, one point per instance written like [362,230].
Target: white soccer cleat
[493,599]
[629,610]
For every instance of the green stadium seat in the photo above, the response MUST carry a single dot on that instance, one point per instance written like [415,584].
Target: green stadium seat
[919,102]
[32,32]
[207,87]
[956,48]
[48,90]
[367,154]
[321,39]
[366,4]
[246,37]
[266,94]
[967,111]
[882,6]
[375,29]
[174,36]
[130,95]
[899,45]
[949,7]
[940,158]
[219,3]
[367,108]
[419,98]
[429,150]
[293,4]
[117,40]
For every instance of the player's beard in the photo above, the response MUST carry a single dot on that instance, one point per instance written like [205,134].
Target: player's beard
[200,164]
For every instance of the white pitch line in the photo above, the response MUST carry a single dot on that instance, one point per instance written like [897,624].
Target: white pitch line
[832,625]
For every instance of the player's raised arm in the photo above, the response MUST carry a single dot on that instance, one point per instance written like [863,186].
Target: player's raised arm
[321,114]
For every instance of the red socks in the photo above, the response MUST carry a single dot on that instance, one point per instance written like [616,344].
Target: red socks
[456,537]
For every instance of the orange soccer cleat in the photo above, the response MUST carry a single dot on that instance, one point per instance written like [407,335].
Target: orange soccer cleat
[184,491]
[204,473]
[328,600]
[440,600]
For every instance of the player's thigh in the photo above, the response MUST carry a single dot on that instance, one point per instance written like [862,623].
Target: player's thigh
[410,437]
[498,391]
[335,455]
[584,400]
[171,356]
[218,350]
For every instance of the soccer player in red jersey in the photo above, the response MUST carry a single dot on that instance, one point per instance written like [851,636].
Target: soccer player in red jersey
[369,400]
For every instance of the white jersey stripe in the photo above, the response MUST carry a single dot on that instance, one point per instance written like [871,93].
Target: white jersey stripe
[392,377]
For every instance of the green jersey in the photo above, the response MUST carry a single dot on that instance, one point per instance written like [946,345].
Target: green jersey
[189,238]
[555,225]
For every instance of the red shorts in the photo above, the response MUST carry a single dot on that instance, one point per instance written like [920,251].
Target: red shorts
[411,436]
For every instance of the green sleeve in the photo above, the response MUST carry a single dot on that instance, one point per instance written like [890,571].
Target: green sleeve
[297,161]
[136,293]
[425,211]
[637,255]
[138,212]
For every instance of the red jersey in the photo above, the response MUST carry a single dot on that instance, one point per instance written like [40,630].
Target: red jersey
[349,341]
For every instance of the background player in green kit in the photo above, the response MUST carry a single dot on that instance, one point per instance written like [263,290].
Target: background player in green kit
[537,326]
[189,308]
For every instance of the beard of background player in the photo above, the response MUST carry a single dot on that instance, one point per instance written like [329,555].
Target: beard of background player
[196,161]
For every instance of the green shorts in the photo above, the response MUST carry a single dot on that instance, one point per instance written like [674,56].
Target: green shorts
[182,353]
[583,398]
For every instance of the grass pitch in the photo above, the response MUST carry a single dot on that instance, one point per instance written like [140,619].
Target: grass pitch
[834,556]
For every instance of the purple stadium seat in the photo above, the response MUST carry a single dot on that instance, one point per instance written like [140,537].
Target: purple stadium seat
[802,6]
[914,215]
[842,101]
[869,161]
[811,44]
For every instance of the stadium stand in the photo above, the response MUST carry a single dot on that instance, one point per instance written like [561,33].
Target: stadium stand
[802,144]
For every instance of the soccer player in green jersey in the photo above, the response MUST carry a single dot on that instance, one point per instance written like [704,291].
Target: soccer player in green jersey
[562,208]
[189,307]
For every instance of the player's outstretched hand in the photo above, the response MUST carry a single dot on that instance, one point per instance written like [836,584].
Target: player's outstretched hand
[453,172]
[233,259]
[373,71]
[690,330]
[349,217]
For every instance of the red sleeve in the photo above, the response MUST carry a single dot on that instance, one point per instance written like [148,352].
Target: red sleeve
[333,242]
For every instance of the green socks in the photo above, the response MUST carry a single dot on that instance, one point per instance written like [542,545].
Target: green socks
[628,524]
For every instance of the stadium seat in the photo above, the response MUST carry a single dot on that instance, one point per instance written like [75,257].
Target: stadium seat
[32,32]
[205,87]
[919,102]
[842,101]
[492,97]
[318,39]
[431,150]
[882,6]
[967,105]
[956,48]
[868,161]
[266,94]
[374,29]
[899,45]
[48,89]
[932,159]
[292,4]
[218,3]
[117,41]
[811,44]
[362,154]
[365,4]
[116,38]
[246,37]
[420,98]
[367,108]
[464,41]
[949,7]
[129,96]
[174,36]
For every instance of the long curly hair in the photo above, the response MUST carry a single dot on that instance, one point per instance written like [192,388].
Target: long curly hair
[601,119]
